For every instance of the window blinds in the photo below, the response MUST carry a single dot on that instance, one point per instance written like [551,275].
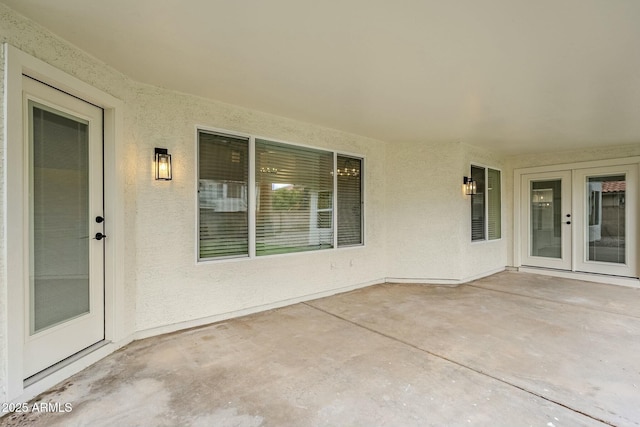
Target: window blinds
[494,196]
[477,204]
[294,198]
[349,177]
[223,176]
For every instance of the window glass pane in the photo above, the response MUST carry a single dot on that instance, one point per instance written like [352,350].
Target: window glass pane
[223,176]
[493,196]
[294,198]
[477,204]
[546,218]
[606,218]
[349,176]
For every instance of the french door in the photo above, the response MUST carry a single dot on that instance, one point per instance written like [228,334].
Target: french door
[64,303]
[546,206]
[581,220]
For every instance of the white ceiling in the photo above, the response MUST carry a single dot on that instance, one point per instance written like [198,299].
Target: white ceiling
[512,75]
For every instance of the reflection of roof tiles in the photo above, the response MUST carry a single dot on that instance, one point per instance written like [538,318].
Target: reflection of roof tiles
[613,186]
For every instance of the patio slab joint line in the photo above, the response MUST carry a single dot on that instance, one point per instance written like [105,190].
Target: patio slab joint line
[459,364]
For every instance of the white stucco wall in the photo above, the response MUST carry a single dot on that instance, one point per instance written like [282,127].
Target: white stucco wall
[429,218]
[425,210]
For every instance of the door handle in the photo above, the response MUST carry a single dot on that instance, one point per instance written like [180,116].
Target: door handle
[568,222]
[99,236]
[99,219]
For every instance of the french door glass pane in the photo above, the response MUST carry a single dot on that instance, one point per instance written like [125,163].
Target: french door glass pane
[59,220]
[546,218]
[223,177]
[606,218]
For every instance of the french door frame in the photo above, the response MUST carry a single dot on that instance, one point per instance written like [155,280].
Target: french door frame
[564,262]
[520,206]
[117,330]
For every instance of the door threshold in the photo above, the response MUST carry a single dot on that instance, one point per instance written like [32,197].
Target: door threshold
[631,282]
[63,363]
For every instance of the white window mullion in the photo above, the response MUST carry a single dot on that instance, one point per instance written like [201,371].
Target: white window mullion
[252,197]
[335,200]
[486,203]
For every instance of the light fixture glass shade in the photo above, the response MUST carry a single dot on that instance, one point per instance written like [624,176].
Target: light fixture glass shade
[469,186]
[163,165]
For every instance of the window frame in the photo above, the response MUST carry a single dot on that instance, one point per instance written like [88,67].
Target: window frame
[486,204]
[252,203]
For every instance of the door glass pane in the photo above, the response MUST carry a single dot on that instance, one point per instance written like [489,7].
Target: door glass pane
[546,218]
[59,219]
[606,218]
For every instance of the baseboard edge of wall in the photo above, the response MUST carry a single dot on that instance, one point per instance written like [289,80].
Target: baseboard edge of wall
[631,282]
[203,321]
[442,281]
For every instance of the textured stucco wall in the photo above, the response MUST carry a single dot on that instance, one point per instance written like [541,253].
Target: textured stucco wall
[556,158]
[428,216]
[425,210]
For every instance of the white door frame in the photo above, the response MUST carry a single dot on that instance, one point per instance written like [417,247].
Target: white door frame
[517,204]
[117,331]
[581,262]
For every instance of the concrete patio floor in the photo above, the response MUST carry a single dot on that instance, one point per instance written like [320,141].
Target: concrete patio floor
[512,349]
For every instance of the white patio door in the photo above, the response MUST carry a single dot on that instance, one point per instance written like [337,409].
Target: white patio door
[64,293]
[546,222]
[581,220]
[605,230]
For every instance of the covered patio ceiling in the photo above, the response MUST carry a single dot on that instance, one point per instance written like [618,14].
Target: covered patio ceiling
[513,76]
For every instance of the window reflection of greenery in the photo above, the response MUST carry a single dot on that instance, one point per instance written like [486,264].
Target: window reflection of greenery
[290,199]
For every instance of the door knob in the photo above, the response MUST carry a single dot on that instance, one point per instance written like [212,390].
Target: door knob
[99,219]
[100,236]
[568,222]
[568,215]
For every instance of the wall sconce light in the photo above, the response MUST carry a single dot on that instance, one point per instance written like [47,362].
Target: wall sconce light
[469,186]
[163,164]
